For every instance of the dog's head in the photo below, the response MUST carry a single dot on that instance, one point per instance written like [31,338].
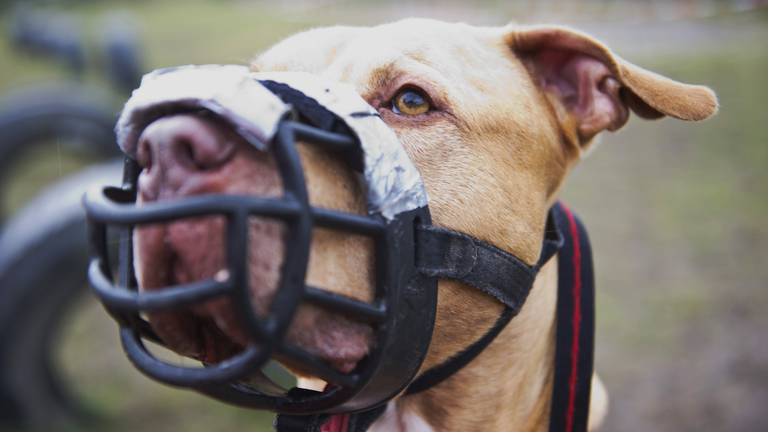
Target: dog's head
[493,118]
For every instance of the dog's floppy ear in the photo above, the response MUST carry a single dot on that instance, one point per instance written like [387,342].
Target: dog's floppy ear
[592,89]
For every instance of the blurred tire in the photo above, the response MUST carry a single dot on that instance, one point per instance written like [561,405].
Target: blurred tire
[43,261]
[70,115]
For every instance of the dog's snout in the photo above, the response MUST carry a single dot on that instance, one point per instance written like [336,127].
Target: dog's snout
[179,149]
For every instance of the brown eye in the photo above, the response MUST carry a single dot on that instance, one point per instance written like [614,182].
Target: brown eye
[410,102]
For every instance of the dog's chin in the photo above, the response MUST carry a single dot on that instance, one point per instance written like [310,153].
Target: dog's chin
[211,331]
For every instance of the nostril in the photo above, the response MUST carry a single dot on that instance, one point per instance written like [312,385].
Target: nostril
[201,145]
[183,153]
[205,151]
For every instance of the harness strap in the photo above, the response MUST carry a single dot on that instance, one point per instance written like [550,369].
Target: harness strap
[575,328]
[441,372]
[450,254]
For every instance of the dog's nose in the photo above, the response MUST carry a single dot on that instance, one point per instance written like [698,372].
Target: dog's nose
[178,150]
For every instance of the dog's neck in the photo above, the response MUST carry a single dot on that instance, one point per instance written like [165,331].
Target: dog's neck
[507,387]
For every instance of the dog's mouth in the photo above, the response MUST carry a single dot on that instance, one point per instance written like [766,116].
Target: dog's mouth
[187,251]
[193,249]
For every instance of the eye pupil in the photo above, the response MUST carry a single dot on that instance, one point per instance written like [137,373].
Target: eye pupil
[410,102]
[413,99]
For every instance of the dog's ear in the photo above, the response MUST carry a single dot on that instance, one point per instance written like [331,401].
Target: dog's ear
[592,89]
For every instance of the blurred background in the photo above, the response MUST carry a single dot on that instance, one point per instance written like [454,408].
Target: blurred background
[676,211]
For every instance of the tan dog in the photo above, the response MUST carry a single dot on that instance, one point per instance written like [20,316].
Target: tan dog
[494,119]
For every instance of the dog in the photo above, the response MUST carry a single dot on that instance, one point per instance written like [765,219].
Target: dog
[494,118]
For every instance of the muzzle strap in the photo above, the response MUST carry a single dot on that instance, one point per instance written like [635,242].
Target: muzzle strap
[444,253]
[443,371]
[450,254]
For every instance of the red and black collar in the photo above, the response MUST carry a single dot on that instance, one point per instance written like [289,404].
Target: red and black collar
[574,345]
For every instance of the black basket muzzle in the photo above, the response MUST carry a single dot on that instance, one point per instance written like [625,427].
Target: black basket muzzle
[401,314]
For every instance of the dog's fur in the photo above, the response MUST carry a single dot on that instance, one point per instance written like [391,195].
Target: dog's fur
[515,109]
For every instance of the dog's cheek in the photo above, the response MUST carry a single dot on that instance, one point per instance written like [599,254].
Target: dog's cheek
[463,316]
[342,263]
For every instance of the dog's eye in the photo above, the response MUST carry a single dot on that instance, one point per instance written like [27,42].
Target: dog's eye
[410,102]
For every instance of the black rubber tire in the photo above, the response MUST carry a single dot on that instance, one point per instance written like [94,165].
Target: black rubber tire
[43,260]
[30,118]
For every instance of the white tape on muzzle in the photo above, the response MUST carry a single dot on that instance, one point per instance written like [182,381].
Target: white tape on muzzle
[234,93]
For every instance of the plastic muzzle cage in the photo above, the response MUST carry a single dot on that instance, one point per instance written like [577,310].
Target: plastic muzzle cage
[401,315]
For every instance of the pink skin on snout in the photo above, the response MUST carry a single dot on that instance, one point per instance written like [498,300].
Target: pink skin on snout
[186,155]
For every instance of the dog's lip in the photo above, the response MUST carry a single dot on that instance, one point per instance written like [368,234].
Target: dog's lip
[212,333]
[215,345]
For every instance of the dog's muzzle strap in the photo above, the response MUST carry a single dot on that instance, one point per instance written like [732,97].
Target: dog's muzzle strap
[450,254]
[445,253]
